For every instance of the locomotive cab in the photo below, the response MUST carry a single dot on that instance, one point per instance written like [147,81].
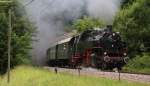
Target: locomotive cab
[96,56]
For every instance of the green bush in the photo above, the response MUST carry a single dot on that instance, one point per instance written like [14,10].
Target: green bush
[133,22]
[87,23]
[139,64]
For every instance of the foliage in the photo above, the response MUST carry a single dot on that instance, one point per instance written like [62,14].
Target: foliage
[141,64]
[33,76]
[86,23]
[21,37]
[133,21]
[126,3]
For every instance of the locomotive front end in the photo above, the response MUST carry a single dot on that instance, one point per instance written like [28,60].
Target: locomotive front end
[115,50]
[108,51]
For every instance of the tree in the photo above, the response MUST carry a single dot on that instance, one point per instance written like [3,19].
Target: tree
[86,23]
[22,34]
[126,3]
[133,21]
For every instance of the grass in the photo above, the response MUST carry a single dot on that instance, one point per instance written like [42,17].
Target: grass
[139,64]
[33,76]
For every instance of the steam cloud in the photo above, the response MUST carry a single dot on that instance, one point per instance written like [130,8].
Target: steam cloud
[51,16]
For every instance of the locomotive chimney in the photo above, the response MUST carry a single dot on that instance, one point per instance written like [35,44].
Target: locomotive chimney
[109,27]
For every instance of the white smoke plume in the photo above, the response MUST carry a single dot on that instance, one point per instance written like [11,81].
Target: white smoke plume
[51,16]
[103,9]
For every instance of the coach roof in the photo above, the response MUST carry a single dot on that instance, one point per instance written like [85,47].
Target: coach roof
[64,40]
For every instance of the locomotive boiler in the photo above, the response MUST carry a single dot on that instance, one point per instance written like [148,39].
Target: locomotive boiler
[100,48]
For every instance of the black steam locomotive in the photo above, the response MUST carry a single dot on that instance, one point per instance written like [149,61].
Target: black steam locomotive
[100,48]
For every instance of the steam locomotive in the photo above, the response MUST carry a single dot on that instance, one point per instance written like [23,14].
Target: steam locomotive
[99,48]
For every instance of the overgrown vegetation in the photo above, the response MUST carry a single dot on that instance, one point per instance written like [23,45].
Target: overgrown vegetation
[126,3]
[21,37]
[133,21]
[29,76]
[139,64]
[87,23]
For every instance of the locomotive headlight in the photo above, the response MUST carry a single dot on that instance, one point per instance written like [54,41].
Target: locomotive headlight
[92,54]
[113,34]
[118,32]
[124,54]
[105,53]
[64,48]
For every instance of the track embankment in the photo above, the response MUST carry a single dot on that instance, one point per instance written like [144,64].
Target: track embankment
[97,73]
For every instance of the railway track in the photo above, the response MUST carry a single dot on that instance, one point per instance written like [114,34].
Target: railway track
[143,78]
